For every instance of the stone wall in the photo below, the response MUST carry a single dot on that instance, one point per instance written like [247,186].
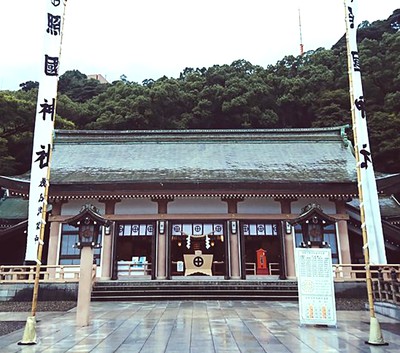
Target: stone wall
[47,291]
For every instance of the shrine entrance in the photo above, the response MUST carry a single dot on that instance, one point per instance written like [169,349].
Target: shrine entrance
[135,249]
[262,248]
[198,249]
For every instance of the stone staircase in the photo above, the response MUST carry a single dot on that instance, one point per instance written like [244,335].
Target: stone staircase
[195,290]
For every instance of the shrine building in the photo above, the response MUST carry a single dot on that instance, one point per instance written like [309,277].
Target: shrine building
[224,203]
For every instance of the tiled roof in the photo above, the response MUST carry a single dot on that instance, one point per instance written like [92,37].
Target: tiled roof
[389,206]
[280,156]
[13,208]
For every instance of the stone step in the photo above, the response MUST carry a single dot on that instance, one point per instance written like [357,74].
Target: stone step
[210,296]
[180,290]
[208,286]
[243,283]
[172,291]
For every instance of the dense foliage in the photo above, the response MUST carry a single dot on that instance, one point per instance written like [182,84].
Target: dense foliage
[304,91]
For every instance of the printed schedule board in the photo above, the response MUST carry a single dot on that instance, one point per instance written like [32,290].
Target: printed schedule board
[316,290]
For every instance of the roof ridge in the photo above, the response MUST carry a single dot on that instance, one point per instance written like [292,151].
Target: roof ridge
[339,128]
[207,136]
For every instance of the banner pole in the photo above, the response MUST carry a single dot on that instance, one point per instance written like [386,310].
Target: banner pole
[42,150]
[375,337]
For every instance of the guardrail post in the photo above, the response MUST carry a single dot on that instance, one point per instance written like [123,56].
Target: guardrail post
[394,285]
[62,273]
[380,285]
[393,275]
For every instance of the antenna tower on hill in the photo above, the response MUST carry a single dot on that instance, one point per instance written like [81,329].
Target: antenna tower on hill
[301,36]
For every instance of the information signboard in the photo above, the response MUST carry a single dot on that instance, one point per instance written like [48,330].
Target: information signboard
[316,289]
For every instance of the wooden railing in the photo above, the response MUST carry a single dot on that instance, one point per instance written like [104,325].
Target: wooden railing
[387,289]
[384,278]
[251,268]
[133,268]
[274,268]
[356,272]
[48,273]
[70,273]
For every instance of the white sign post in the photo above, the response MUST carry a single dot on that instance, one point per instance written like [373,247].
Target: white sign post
[316,289]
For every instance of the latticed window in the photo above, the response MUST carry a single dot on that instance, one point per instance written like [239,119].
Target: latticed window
[137,229]
[260,229]
[197,229]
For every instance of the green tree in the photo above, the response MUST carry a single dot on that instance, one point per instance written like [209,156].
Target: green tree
[121,106]
[16,119]
[78,87]
[7,162]
[16,114]
[28,85]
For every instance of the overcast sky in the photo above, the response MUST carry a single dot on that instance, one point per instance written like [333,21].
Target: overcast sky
[152,38]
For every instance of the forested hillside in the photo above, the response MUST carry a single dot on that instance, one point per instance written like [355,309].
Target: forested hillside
[304,91]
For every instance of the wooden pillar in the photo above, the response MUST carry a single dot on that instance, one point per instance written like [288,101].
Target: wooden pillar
[54,237]
[85,287]
[343,234]
[288,240]
[234,256]
[162,258]
[107,250]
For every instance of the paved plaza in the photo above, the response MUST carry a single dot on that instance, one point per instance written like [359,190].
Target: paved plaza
[200,327]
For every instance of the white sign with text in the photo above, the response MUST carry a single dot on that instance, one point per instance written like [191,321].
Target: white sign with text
[316,289]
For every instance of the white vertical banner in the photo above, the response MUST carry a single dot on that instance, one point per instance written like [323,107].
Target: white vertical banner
[369,203]
[52,20]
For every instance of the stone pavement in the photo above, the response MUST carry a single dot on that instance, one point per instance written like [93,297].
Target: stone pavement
[200,327]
